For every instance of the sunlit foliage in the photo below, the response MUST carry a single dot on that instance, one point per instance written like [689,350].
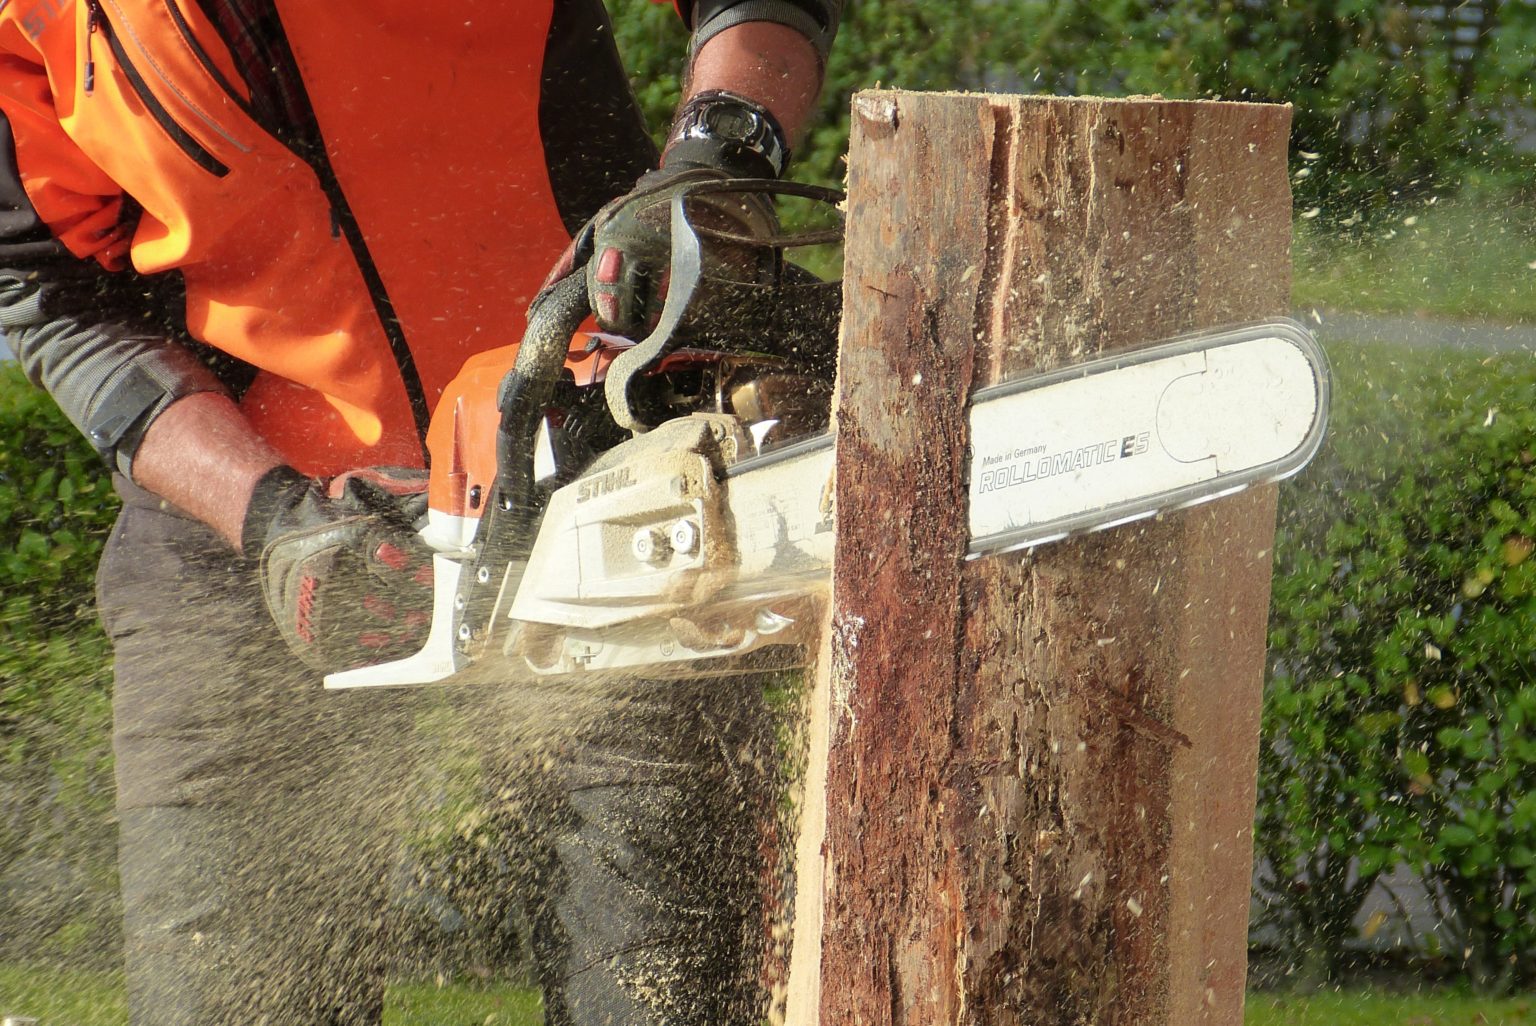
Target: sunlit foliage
[1388,102]
[1398,722]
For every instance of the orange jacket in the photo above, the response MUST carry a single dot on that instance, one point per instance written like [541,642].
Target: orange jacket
[359,266]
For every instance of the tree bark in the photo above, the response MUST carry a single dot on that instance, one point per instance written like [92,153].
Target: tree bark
[1039,768]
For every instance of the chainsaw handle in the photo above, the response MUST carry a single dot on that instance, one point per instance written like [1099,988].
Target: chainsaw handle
[554,317]
[687,268]
[686,271]
[505,533]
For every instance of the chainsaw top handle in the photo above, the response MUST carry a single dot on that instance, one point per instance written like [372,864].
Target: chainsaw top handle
[557,314]
[688,270]
[505,533]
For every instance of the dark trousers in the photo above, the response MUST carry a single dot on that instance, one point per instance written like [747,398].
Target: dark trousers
[260,815]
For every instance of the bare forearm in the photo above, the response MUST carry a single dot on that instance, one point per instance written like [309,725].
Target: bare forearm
[202,456]
[763,61]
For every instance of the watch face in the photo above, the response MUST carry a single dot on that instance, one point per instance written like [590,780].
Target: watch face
[736,125]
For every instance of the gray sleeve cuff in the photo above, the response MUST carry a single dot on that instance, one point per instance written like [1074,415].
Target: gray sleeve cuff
[110,381]
[817,20]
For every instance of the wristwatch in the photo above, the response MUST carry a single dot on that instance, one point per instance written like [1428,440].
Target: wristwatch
[727,130]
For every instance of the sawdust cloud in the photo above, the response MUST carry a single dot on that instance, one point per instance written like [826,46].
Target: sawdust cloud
[433,818]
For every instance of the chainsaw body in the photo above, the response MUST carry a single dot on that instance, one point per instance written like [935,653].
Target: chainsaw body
[664,507]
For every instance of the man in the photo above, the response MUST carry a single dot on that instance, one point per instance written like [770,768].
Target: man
[245,245]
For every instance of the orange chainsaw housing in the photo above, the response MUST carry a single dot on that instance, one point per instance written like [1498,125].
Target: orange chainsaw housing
[461,441]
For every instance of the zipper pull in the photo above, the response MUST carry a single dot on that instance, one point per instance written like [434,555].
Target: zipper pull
[92,21]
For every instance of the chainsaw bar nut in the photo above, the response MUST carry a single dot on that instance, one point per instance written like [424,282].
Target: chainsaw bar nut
[651,545]
[685,537]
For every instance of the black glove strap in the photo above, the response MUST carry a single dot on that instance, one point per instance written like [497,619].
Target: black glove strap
[276,492]
[728,131]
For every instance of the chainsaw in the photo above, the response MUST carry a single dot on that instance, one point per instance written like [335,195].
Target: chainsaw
[664,507]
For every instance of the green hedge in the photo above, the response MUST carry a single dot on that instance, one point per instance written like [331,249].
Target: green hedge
[1398,725]
[57,841]
[56,506]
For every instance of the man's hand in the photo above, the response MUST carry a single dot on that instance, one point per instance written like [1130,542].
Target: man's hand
[345,575]
[630,273]
[751,88]
[718,135]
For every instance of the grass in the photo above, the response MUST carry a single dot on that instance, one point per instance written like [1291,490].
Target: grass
[1388,405]
[62,998]
[58,998]
[1471,258]
[427,1004]
[1394,389]
[1355,1008]
[76,998]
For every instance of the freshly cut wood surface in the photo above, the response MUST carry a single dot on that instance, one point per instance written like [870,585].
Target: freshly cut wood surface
[1039,768]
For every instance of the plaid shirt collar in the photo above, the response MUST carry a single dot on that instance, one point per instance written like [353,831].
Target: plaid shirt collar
[253,32]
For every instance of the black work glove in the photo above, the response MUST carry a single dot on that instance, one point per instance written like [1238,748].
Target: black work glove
[628,274]
[345,575]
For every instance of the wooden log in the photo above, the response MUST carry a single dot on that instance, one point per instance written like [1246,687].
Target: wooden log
[1039,768]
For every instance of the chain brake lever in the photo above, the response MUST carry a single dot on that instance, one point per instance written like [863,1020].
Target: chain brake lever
[687,271]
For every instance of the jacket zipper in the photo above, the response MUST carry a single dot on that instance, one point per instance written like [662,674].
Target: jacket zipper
[202,56]
[92,19]
[97,20]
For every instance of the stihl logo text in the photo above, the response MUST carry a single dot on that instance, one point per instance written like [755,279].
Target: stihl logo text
[603,484]
[1022,466]
[37,18]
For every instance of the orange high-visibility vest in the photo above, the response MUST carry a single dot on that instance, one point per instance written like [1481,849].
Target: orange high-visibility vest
[357,282]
